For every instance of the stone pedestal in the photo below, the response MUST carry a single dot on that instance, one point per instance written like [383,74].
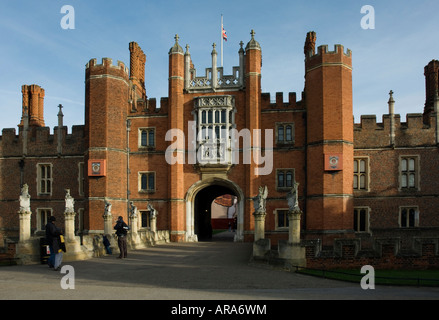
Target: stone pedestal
[74,250]
[153,225]
[261,246]
[291,250]
[133,236]
[25,231]
[108,223]
[27,251]
[259,225]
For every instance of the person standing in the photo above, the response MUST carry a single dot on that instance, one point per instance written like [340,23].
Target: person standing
[53,234]
[121,231]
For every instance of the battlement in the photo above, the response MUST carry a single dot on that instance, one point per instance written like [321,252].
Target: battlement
[323,57]
[414,132]
[279,103]
[107,67]
[40,142]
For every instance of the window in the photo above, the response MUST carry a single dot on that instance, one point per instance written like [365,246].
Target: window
[42,218]
[145,219]
[409,172]
[81,179]
[147,137]
[361,219]
[146,181]
[215,119]
[285,133]
[408,217]
[361,173]
[281,216]
[285,178]
[44,177]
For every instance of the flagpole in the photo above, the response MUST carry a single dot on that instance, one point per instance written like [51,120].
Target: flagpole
[222,40]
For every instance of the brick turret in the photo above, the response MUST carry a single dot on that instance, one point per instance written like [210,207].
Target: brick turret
[176,118]
[431,73]
[253,64]
[328,93]
[33,105]
[137,69]
[106,106]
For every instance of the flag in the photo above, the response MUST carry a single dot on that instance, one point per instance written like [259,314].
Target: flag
[224,34]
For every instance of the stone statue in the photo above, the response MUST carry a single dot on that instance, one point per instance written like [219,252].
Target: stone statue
[292,197]
[25,199]
[133,209]
[107,208]
[259,200]
[152,211]
[69,202]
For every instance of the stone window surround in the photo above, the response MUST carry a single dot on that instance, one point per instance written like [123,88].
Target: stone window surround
[417,170]
[276,216]
[39,178]
[49,212]
[416,221]
[140,190]
[356,213]
[284,141]
[147,146]
[366,173]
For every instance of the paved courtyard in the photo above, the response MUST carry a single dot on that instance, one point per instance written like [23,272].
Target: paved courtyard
[217,270]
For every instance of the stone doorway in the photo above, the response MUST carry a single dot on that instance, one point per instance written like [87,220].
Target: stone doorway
[199,201]
[204,224]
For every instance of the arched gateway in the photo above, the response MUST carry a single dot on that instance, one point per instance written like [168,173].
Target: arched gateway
[198,200]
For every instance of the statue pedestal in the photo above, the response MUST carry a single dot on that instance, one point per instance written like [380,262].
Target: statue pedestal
[74,250]
[261,248]
[27,251]
[291,250]
[293,253]
[25,231]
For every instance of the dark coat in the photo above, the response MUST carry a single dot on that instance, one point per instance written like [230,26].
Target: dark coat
[121,228]
[52,236]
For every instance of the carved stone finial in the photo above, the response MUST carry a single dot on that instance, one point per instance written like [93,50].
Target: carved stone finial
[253,44]
[391,96]
[60,110]
[176,48]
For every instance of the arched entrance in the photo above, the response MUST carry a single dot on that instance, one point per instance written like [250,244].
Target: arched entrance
[199,200]
[203,214]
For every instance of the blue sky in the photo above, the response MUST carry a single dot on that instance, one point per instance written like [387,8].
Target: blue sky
[36,50]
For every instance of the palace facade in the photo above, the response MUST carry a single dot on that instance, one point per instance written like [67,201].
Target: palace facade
[217,134]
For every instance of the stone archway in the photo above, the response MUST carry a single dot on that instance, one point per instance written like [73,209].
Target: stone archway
[200,195]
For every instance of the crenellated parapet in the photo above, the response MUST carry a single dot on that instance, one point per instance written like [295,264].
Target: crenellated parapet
[267,103]
[94,70]
[41,142]
[414,132]
[323,57]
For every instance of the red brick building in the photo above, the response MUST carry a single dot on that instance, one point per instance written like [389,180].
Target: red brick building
[210,137]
